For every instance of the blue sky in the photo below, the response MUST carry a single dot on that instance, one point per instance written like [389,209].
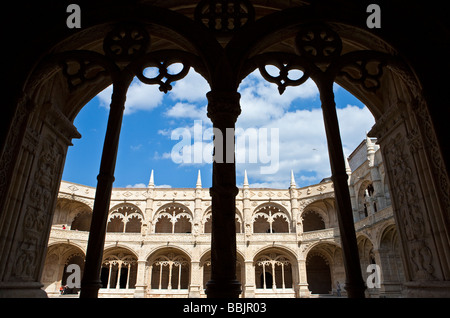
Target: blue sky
[154,123]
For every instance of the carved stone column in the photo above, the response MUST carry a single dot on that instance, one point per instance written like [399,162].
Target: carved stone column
[140,286]
[354,283]
[195,285]
[250,284]
[27,215]
[416,205]
[303,290]
[223,109]
[91,282]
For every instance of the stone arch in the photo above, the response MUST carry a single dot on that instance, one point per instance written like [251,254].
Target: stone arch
[324,267]
[59,255]
[271,217]
[72,214]
[312,220]
[168,268]
[365,194]
[390,261]
[126,218]
[40,110]
[366,251]
[119,268]
[319,207]
[76,198]
[205,264]
[275,268]
[402,83]
[318,273]
[206,221]
[82,221]
[173,218]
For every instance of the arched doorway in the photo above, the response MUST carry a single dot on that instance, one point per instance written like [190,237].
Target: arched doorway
[35,141]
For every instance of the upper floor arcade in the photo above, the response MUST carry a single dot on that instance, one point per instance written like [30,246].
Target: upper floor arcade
[306,212]
[155,210]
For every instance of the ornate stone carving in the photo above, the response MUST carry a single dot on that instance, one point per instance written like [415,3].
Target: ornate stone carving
[224,16]
[126,42]
[37,214]
[410,214]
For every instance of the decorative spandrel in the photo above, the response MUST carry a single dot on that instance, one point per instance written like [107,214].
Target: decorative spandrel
[224,16]
[318,56]
[127,53]
[126,42]
[318,43]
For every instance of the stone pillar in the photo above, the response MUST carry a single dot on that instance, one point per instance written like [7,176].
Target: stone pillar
[91,282]
[223,109]
[246,210]
[140,286]
[417,197]
[354,284]
[147,225]
[303,290]
[375,176]
[295,216]
[29,198]
[196,284]
[250,284]
[198,210]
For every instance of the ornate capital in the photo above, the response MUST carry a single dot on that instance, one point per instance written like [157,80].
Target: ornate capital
[223,105]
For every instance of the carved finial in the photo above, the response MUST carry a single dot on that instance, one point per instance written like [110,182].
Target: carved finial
[151,183]
[293,185]
[370,150]
[246,185]
[198,185]
[347,167]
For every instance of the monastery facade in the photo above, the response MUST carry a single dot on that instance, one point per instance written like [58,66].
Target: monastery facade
[158,240]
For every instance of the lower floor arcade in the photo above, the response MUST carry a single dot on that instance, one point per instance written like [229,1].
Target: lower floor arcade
[265,269]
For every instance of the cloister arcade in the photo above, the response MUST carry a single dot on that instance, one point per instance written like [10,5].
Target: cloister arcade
[288,242]
[398,71]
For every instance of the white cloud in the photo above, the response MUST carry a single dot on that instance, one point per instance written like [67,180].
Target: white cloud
[192,88]
[140,96]
[136,147]
[137,185]
[261,103]
[185,110]
[302,141]
[301,146]
[354,122]
[143,185]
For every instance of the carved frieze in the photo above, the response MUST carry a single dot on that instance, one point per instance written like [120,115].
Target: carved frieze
[37,216]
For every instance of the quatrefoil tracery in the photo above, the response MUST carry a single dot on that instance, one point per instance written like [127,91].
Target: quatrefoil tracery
[285,63]
[224,16]
[161,61]
[319,43]
[126,42]
[318,56]
[125,54]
